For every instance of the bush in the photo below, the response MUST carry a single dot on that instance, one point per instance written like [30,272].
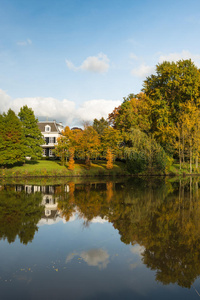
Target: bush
[145,154]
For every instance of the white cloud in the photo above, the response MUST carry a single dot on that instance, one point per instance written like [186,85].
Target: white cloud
[94,257]
[60,110]
[24,43]
[96,109]
[175,56]
[95,64]
[47,108]
[142,71]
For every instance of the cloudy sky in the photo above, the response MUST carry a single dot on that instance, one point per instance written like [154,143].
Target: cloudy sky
[75,60]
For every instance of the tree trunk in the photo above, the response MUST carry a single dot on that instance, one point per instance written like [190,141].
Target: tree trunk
[179,149]
[197,161]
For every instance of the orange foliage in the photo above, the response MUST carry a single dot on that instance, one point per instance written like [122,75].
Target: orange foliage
[71,159]
[109,157]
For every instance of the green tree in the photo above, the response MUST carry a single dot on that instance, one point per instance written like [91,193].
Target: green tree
[12,149]
[143,153]
[33,136]
[111,140]
[100,125]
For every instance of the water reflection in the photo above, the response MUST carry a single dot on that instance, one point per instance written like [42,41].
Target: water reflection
[160,219]
[19,214]
[93,257]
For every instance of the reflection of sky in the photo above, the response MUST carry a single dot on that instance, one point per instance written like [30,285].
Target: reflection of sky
[135,261]
[137,249]
[49,221]
[98,266]
[94,257]
[69,261]
[74,217]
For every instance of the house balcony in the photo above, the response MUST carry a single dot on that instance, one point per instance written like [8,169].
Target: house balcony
[47,145]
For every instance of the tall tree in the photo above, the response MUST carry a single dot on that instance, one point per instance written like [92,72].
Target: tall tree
[65,142]
[33,136]
[87,143]
[173,85]
[12,149]
[133,112]
[111,140]
[100,125]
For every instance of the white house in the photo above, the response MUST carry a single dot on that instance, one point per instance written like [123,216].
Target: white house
[50,130]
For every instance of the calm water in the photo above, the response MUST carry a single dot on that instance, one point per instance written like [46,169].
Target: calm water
[133,239]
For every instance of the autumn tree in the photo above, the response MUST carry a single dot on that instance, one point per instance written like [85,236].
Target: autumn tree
[65,142]
[87,144]
[71,159]
[173,85]
[109,157]
[111,140]
[133,112]
[189,133]
[33,136]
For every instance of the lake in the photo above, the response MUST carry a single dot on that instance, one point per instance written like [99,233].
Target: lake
[97,239]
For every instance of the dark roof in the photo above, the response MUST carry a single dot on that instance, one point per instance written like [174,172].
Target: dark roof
[76,128]
[54,126]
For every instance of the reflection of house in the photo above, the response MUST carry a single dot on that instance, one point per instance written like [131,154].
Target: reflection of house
[32,189]
[48,200]
[50,131]
[51,213]
[50,204]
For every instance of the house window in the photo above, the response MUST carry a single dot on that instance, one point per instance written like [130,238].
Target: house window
[52,140]
[44,152]
[47,128]
[51,152]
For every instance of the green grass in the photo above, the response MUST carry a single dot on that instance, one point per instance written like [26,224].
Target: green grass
[54,169]
[47,168]
[185,169]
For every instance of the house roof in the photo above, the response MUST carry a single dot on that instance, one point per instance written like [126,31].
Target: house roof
[55,127]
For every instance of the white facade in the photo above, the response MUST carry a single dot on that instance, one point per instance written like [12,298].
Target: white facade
[50,131]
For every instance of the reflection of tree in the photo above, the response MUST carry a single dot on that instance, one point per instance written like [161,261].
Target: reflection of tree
[66,204]
[162,217]
[19,215]
[173,240]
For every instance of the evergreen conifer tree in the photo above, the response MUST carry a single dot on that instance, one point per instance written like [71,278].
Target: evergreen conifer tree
[12,141]
[33,136]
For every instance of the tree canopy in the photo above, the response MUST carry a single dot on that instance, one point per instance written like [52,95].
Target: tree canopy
[33,136]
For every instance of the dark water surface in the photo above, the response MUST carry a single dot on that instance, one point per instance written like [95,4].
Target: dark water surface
[133,239]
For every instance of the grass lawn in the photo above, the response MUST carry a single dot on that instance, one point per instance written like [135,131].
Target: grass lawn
[54,168]
[185,169]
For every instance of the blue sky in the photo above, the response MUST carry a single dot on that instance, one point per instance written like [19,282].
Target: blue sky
[75,60]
